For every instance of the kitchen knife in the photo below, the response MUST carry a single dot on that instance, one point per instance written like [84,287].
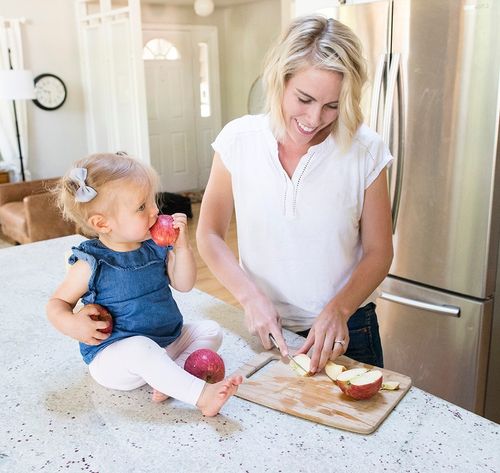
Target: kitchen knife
[290,358]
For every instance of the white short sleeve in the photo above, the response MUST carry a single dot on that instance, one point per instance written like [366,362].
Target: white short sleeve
[224,143]
[378,158]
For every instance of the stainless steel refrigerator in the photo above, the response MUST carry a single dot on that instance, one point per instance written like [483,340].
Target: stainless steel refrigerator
[434,96]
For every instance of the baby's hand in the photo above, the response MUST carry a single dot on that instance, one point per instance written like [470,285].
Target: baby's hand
[180,222]
[88,331]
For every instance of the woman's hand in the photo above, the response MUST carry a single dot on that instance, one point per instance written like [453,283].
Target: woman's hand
[327,331]
[262,319]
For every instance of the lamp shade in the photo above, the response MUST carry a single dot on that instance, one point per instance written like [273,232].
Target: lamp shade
[203,7]
[16,84]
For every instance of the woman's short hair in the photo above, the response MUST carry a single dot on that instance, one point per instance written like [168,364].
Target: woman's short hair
[327,44]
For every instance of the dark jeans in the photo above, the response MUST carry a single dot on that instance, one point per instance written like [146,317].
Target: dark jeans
[364,344]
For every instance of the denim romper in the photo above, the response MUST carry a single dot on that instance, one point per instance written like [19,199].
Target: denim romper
[134,287]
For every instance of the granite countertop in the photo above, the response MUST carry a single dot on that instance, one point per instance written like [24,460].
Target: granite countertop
[54,417]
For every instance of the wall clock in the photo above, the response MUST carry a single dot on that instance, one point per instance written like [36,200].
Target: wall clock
[50,92]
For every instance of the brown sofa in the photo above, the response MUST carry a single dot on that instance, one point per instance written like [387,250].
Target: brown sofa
[28,212]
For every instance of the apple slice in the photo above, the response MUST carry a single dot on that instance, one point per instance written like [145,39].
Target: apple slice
[332,370]
[360,383]
[390,386]
[303,361]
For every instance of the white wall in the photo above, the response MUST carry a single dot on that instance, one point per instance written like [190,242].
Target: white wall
[248,32]
[56,138]
[245,33]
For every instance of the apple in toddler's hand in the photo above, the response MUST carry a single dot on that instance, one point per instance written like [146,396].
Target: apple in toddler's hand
[103,315]
[360,383]
[206,365]
[163,232]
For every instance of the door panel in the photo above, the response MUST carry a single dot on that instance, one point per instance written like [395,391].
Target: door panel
[446,236]
[171,113]
[439,340]
[113,78]
[183,103]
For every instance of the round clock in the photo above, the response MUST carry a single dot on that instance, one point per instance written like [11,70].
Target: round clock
[50,92]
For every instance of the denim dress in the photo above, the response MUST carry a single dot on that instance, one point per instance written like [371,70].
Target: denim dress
[134,287]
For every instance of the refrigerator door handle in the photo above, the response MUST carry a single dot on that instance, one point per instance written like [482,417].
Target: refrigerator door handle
[389,99]
[395,178]
[377,87]
[441,309]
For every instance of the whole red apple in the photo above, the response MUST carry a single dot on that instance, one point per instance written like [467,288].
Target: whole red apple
[163,232]
[103,315]
[206,365]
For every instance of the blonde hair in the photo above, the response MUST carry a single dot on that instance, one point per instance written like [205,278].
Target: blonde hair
[103,170]
[325,44]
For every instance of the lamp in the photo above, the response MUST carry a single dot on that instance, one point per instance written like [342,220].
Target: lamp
[17,84]
[203,7]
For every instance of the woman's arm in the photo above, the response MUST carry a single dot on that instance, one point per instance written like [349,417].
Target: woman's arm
[376,240]
[215,216]
[181,265]
[60,308]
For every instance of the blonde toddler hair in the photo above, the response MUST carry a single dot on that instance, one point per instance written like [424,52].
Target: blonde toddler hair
[326,44]
[105,173]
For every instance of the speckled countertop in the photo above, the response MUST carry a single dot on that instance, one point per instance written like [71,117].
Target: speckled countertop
[54,418]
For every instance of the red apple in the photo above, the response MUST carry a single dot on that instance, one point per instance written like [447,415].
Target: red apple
[103,315]
[206,365]
[163,232]
[360,383]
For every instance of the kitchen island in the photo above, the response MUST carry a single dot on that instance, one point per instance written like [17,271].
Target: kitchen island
[54,417]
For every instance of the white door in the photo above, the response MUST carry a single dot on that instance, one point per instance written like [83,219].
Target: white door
[113,76]
[182,92]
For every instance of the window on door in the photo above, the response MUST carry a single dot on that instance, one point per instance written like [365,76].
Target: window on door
[160,49]
[205,109]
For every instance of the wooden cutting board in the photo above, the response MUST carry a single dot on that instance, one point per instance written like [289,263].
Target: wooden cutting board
[269,381]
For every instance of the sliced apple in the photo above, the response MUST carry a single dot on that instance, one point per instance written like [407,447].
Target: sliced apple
[390,386]
[304,362]
[360,383]
[332,370]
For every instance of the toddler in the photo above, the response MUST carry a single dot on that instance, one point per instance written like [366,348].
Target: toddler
[112,196]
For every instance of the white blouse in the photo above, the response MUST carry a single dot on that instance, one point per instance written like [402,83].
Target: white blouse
[298,238]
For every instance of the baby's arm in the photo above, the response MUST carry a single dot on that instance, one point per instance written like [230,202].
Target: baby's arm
[60,307]
[181,265]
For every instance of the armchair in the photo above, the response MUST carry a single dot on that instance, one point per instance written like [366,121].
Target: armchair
[28,212]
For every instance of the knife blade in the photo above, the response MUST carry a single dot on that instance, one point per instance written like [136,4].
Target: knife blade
[290,358]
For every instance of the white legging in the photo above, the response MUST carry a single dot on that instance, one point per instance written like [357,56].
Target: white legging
[132,362]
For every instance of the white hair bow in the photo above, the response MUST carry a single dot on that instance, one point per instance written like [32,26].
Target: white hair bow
[84,192]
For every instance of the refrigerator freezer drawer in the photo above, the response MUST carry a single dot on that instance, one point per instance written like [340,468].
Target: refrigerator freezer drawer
[438,339]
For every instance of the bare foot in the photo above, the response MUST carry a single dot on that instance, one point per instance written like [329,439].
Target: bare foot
[214,396]
[158,396]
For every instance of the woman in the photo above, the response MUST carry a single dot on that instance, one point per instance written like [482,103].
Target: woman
[309,186]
